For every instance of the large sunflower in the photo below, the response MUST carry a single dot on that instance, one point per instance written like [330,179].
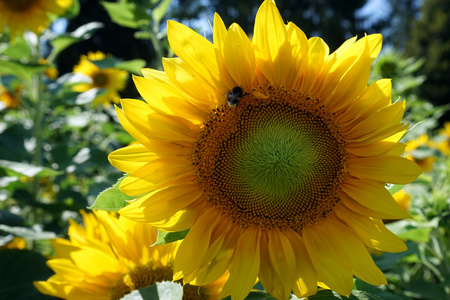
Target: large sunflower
[283,178]
[110,80]
[33,15]
[110,257]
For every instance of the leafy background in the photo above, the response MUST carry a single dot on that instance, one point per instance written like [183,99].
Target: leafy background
[54,142]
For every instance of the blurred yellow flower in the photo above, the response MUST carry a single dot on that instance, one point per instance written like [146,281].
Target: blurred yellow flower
[110,79]
[51,72]
[273,151]
[9,100]
[425,162]
[110,257]
[15,243]
[33,15]
[403,199]
[443,144]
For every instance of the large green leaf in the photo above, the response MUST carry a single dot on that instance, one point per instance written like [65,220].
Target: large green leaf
[112,199]
[134,66]
[168,237]
[127,14]
[24,70]
[159,11]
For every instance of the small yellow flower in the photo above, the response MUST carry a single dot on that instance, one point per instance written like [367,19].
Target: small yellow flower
[51,72]
[32,15]
[15,243]
[403,199]
[10,100]
[425,162]
[110,257]
[110,79]
[443,144]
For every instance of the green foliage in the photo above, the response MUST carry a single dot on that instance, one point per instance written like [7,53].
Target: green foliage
[112,199]
[168,237]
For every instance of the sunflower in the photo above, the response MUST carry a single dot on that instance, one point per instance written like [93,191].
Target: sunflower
[424,160]
[443,140]
[110,79]
[33,15]
[274,152]
[110,257]
[9,99]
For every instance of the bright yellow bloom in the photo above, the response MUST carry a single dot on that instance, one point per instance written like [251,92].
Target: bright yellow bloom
[403,199]
[283,178]
[110,79]
[425,163]
[443,144]
[15,243]
[9,100]
[33,15]
[110,257]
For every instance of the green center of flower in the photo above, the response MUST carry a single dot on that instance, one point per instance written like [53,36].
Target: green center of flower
[274,162]
[100,79]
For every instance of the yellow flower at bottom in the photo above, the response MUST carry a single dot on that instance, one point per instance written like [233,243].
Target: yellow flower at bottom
[274,152]
[443,144]
[110,79]
[110,257]
[33,15]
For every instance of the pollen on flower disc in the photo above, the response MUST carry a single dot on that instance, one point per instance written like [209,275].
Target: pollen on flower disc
[274,162]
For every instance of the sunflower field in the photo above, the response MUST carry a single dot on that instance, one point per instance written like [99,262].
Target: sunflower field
[207,160]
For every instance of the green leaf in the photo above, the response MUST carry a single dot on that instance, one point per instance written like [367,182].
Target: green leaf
[13,168]
[168,237]
[133,66]
[19,50]
[142,35]
[83,32]
[19,268]
[416,235]
[395,188]
[20,69]
[159,11]
[112,199]
[127,14]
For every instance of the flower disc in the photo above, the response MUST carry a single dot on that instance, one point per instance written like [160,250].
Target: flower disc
[274,162]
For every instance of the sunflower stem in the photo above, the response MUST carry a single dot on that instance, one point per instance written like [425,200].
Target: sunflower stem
[36,99]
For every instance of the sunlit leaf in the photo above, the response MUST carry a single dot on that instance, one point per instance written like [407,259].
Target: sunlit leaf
[112,199]
[16,168]
[24,70]
[168,237]
[133,66]
[127,14]
[159,11]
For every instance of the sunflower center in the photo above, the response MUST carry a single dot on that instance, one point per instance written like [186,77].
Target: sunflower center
[139,277]
[19,5]
[100,79]
[273,162]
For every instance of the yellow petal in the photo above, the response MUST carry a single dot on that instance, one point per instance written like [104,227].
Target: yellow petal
[331,261]
[245,266]
[131,158]
[196,51]
[167,99]
[219,36]
[299,45]
[306,275]
[196,243]
[239,57]
[317,51]
[371,231]
[361,262]
[374,196]
[389,169]
[187,80]
[272,51]
[155,172]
